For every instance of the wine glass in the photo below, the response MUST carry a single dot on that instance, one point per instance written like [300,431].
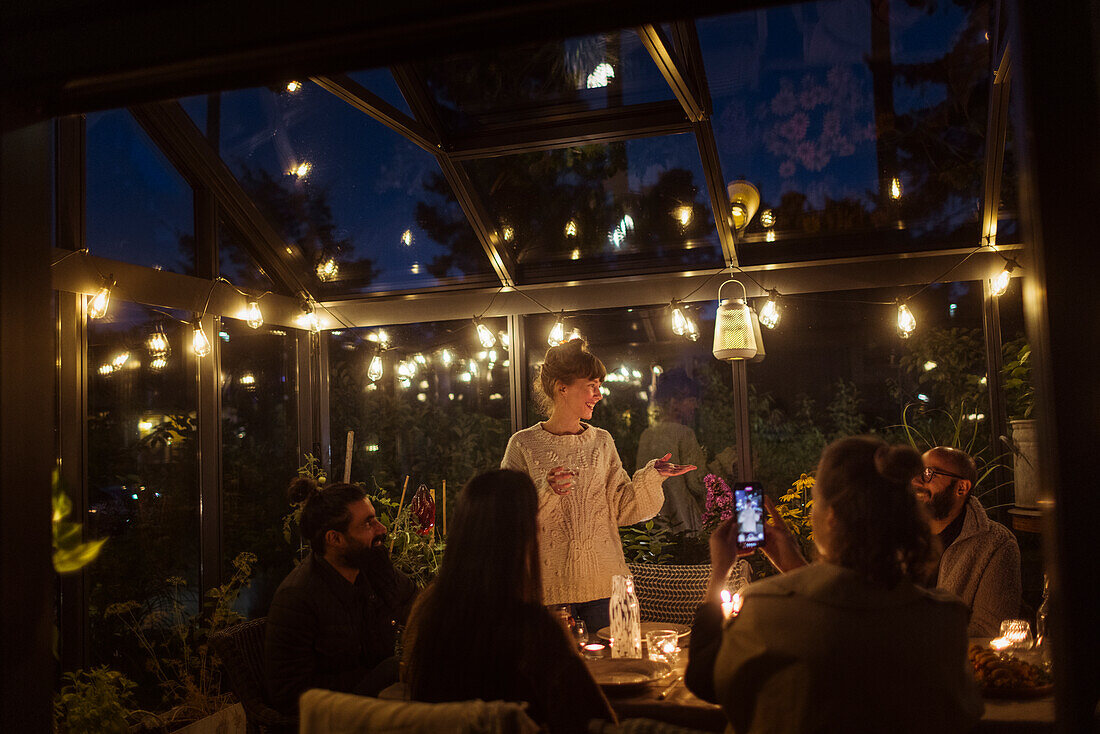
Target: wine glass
[580,632]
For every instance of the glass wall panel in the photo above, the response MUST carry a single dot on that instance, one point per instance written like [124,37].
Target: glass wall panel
[365,209]
[139,210]
[259,452]
[836,366]
[380,81]
[657,384]
[438,411]
[585,73]
[143,485]
[861,124]
[584,212]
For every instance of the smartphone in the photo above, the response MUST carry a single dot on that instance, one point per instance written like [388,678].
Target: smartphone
[748,500]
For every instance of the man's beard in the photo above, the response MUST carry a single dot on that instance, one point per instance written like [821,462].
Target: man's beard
[940,505]
[366,557]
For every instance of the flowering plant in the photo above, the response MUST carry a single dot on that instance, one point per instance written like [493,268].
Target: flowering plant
[719,502]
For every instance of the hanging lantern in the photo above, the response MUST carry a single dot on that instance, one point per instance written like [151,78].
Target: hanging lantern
[736,328]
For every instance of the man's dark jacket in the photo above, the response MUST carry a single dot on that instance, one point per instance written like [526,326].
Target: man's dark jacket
[325,632]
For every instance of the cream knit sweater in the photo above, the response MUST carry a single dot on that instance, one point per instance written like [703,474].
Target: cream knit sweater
[579,532]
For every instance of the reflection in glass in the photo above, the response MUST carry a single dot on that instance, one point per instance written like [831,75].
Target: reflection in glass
[855,119]
[585,73]
[142,474]
[259,452]
[439,411]
[362,207]
[578,212]
[139,209]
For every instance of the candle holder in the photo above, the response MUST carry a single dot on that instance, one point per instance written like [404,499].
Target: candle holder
[1015,635]
[662,647]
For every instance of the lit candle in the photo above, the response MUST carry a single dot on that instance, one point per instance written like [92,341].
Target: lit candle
[1000,643]
[731,603]
[594,649]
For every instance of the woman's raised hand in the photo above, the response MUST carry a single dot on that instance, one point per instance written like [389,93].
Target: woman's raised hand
[560,479]
[665,469]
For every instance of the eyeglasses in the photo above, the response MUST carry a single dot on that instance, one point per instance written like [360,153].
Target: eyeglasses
[930,473]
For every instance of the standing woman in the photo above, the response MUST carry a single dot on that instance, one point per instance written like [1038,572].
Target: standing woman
[584,493]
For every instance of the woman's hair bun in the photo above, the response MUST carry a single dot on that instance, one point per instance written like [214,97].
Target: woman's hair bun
[301,489]
[898,463]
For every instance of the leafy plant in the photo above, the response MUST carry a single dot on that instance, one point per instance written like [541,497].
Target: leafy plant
[415,555]
[650,542]
[70,553]
[1018,385]
[795,507]
[176,640]
[96,700]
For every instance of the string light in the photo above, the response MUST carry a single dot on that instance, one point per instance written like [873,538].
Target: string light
[200,345]
[308,318]
[293,86]
[158,363]
[484,333]
[906,321]
[571,228]
[999,285]
[97,307]
[767,218]
[254,318]
[120,359]
[509,233]
[158,344]
[446,357]
[769,236]
[374,371]
[895,188]
[682,324]
[769,314]
[407,238]
[301,170]
[557,334]
[505,340]
[683,215]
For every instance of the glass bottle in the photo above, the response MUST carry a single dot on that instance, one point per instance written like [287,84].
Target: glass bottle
[1042,614]
[626,620]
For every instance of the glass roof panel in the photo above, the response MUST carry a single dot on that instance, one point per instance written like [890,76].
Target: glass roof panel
[585,73]
[237,265]
[576,212]
[139,209]
[864,132]
[380,81]
[342,188]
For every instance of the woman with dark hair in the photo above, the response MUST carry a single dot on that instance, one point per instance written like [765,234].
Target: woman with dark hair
[852,642]
[584,494]
[479,631]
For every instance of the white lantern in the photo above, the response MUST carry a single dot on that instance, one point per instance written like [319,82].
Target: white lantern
[736,328]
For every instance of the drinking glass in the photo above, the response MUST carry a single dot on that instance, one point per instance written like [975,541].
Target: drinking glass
[580,632]
[1017,633]
[662,647]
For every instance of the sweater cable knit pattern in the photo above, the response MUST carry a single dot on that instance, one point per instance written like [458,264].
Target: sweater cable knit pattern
[579,532]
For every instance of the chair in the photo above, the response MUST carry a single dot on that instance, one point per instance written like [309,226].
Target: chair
[329,712]
[241,649]
[669,593]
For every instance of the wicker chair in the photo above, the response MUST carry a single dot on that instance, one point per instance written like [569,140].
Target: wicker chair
[241,649]
[669,593]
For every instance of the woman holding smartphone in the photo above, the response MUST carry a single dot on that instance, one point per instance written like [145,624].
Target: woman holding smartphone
[585,495]
[851,642]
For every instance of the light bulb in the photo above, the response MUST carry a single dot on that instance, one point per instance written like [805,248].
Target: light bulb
[308,319]
[509,234]
[895,188]
[484,334]
[505,340]
[769,236]
[767,218]
[248,379]
[158,363]
[682,325]
[906,321]
[97,307]
[472,368]
[293,86]
[683,215]
[999,285]
[254,318]
[374,372]
[407,238]
[557,334]
[447,357]
[769,315]
[571,228]
[301,170]
[200,345]
[120,359]
[158,344]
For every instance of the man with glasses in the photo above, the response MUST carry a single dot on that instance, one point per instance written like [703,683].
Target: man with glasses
[981,559]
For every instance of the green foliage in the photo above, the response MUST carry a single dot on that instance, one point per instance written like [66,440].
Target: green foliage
[647,543]
[415,555]
[175,640]
[957,361]
[1018,385]
[70,553]
[795,508]
[96,700]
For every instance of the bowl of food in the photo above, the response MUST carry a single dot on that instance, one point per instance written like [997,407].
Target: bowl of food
[1006,676]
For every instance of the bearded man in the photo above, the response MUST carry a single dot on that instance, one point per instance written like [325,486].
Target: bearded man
[333,621]
[981,558]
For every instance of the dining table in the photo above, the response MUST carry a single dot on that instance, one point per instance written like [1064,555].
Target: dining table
[682,707]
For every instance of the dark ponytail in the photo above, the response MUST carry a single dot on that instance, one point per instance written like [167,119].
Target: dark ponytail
[881,532]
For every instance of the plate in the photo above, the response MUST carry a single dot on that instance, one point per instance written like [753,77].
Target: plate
[623,675]
[682,631]
[1018,693]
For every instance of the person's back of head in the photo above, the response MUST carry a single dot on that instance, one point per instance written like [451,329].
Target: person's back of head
[488,581]
[323,509]
[877,529]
